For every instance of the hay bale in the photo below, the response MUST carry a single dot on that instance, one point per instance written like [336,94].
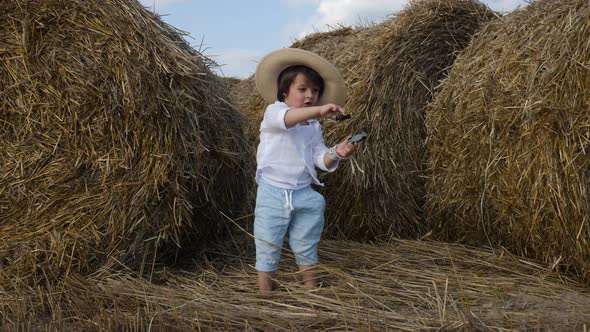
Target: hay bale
[230,82]
[401,66]
[508,137]
[391,70]
[251,106]
[115,137]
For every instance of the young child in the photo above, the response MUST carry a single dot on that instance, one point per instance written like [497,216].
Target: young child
[303,87]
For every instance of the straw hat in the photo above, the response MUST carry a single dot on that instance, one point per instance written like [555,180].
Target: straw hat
[269,68]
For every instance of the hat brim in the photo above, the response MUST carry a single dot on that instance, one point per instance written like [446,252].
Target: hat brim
[269,68]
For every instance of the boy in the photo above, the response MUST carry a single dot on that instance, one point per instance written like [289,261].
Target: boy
[303,87]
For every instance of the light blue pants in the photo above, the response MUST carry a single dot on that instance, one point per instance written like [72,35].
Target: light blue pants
[300,213]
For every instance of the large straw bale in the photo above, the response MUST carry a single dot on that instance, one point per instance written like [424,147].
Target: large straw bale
[230,82]
[509,134]
[115,137]
[399,69]
[391,70]
[251,106]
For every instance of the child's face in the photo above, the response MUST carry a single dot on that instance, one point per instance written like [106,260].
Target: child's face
[302,92]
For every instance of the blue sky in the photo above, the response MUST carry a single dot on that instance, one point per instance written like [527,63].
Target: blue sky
[237,33]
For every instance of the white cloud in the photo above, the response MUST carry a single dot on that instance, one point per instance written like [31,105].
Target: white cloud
[505,5]
[330,13]
[235,62]
[345,12]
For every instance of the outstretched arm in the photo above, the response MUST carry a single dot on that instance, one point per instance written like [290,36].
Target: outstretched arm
[297,115]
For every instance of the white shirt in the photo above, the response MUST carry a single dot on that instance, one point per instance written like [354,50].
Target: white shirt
[287,157]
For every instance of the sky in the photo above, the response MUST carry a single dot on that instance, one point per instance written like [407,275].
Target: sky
[238,33]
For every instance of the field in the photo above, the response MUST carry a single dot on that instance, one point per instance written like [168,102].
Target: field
[127,175]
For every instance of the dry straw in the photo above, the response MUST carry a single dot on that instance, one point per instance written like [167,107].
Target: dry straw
[403,286]
[391,70]
[115,138]
[509,136]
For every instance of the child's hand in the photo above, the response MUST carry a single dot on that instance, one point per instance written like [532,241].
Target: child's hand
[331,111]
[344,149]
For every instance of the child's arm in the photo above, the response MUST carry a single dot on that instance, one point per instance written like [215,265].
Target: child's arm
[297,115]
[342,149]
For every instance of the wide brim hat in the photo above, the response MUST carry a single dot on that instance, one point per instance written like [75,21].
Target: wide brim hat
[269,68]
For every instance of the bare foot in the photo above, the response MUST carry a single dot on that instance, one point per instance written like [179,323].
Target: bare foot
[310,279]
[265,283]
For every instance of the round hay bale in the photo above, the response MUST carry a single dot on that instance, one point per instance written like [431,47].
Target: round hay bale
[509,137]
[401,64]
[251,106]
[391,70]
[115,138]
[230,82]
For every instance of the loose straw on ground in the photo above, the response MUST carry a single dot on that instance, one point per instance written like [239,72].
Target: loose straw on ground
[402,286]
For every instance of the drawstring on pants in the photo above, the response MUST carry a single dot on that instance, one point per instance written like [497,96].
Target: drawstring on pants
[289,199]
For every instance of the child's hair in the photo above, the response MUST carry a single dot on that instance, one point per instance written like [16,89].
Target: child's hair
[287,76]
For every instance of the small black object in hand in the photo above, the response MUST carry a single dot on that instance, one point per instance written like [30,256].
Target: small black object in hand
[358,137]
[341,117]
